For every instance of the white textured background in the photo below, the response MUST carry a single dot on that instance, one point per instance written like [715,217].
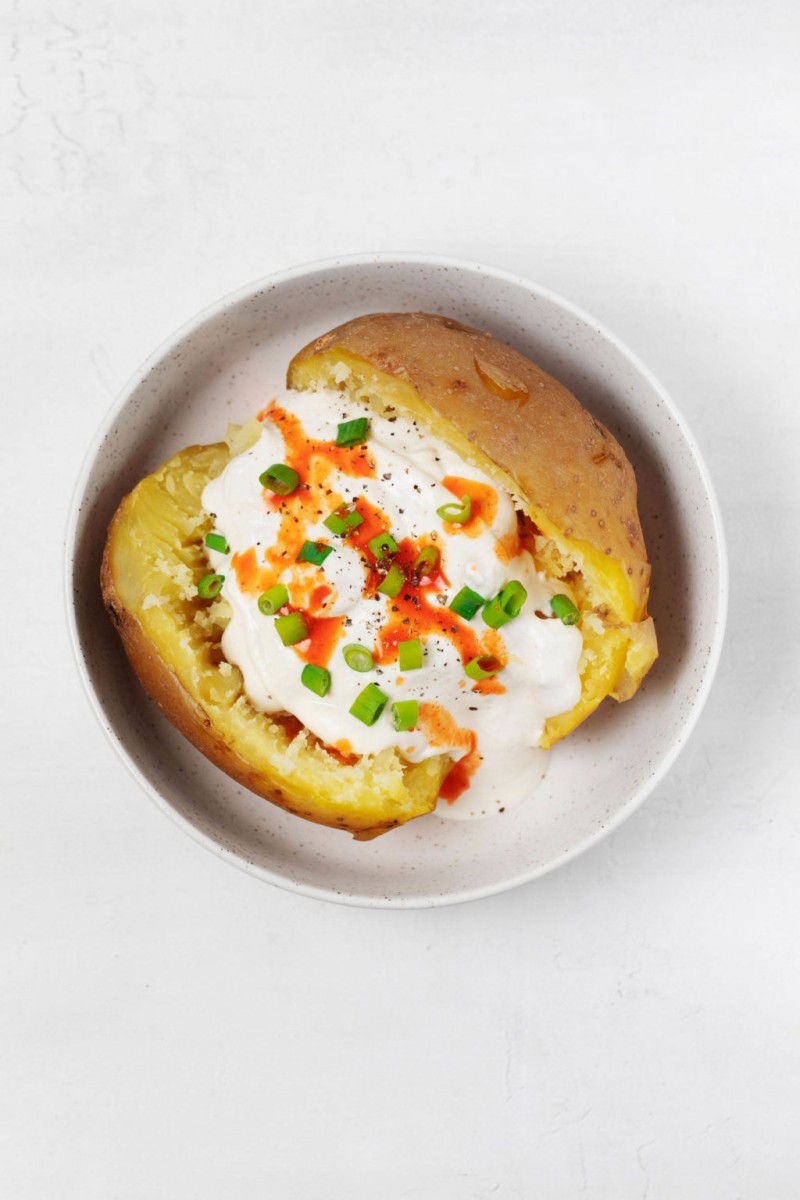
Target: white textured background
[627,1028]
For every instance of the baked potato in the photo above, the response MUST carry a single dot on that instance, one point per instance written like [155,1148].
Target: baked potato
[569,479]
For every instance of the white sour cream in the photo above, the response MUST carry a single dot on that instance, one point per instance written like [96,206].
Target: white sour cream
[497,732]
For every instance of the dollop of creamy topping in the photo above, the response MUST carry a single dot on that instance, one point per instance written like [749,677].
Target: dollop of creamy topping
[396,480]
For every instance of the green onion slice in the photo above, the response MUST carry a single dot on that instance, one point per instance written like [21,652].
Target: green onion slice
[335,523]
[270,601]
[352,433]
[409,654]
[483,666]
[292,628]
[316,679]
[210,586]
[383,545]
[314,552]
[393,581]
[565,610]
[506,605]
[426,562]
[343,521]
[358,657]
[456,514]
[215,541]
[466,603]
[279,479]
[405,714]
[369,704]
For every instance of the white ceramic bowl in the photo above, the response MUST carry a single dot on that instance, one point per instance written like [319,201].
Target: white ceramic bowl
[219,368]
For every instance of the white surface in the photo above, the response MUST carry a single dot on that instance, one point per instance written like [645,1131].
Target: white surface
[625,1028]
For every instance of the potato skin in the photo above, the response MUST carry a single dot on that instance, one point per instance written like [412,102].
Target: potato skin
[561,458]
[163,686]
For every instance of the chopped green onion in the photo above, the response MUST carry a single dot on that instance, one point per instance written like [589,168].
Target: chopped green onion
[292,628]
[506,605]
[405,714]
[314,552]
[482,667]
[466,603]
[335,523]
[565,610]
[270,601]
[426,562]
[352,433]
[279,479]
[393,581]
[316,679]
[210,586]
[343,521]
[456,514]
[369,704]
[358,657]
[409,654]
[215,541]
[383,545]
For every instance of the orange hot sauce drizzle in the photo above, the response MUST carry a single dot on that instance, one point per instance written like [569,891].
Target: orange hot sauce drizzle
[374,522]
[414,612]
[483,504]
[491,643]
[457,779]
[441,729]
[252,579]
[315,461]
[311,592]
[320,595]
[342,751]
[323,637]
[507,547]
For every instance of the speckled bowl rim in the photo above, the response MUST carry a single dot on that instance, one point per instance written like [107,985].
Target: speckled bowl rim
[693,710]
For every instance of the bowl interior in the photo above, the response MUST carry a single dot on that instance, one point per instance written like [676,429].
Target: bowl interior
[223,367]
